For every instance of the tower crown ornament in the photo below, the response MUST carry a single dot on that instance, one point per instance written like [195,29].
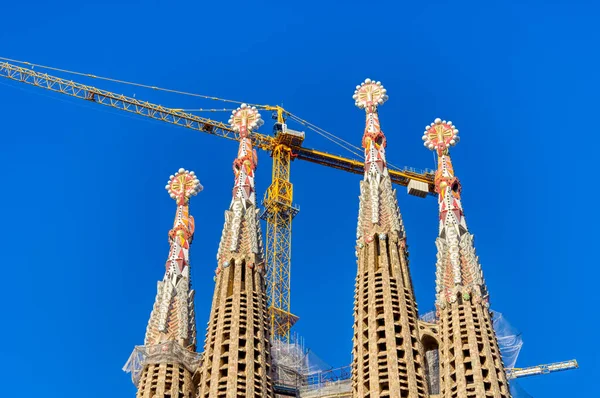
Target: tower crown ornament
[369,95]
[440,135]
[245,119]
[183,185]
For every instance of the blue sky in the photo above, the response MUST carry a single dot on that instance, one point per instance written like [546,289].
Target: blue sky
[86,217]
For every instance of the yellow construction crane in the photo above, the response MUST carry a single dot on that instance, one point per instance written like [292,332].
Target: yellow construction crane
[284,145]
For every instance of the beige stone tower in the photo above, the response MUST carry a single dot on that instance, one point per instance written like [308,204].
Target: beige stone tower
[164,366]
[469,357]
[237,359]
[387,353]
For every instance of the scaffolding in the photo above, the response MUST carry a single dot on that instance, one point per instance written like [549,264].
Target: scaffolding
[290,362]
[328,383]
[297,371]
[167,352]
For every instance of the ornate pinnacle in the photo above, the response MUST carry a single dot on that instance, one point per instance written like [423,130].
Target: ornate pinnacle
[382,208]
[369,95]
[183,185]
[440,135]
[245,119]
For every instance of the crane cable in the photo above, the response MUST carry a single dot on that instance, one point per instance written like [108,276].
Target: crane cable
[126,82]
[324,133]
[204,110]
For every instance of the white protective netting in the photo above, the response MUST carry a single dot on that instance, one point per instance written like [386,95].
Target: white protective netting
[290,362]
[509,339]
[293,365]
[327,382]
[510,343]
[516,391]
[298,368]
[169,351]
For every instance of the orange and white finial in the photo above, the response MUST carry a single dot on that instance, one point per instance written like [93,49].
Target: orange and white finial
[183,185]
[440,135]
[369,95]
[245,119]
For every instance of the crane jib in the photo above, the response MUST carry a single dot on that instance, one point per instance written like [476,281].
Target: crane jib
[283,147]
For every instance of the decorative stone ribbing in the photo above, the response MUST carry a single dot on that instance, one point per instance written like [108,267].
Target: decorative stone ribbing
[166,380]
[164,366]
[388,358]
[470,361]
[469,357]
[237,354]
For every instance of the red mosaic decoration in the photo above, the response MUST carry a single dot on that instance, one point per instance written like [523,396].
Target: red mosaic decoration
[440,135]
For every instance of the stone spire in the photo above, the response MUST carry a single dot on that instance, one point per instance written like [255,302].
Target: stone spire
[470,362]
[165,365]
[173,318]
[387,353]
[237,357]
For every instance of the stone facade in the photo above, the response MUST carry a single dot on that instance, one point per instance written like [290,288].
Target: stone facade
[166,380]
[237,359]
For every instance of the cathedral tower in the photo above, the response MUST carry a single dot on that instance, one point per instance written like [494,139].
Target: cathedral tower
[387,354]
[470,362]
[164,366]
[237,358]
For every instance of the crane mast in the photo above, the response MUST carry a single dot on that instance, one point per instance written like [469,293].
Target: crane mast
[279,213]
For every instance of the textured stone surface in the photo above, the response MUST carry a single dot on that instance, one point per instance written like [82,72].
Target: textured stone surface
[172,321]
[237,354]
[470,362]
[469,357]
[165,380]
[388,358]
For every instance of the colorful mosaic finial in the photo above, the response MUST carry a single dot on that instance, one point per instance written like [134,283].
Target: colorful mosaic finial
[183,185]
[369,94]
[172,318]
[440,135]
[458,272]
[245,119]
[241,238]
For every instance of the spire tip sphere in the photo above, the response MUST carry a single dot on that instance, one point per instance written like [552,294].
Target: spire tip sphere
[369,94]
[440,135]
[183,185]
[245,119]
